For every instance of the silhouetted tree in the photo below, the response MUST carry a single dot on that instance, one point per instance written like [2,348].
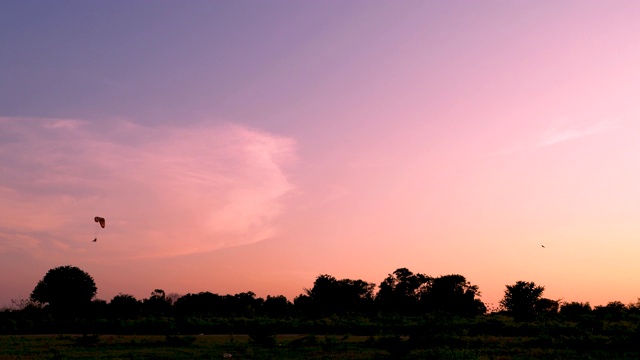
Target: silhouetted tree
[66,289]
[634,308]
[277,306]
[331,296]
[98,308]
[613,311]
[27,308]
[244,304]
[172,297]
[203,303]
[574,310]
[157,304]
[21,304]
[400,291]
[520,300]
[303,305]
[452,294]
[124,306]
[320,299]
[547,307]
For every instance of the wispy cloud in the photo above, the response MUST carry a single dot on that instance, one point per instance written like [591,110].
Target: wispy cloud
[569,132]
[164,191]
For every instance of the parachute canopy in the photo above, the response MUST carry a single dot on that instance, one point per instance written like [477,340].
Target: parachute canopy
[100,220]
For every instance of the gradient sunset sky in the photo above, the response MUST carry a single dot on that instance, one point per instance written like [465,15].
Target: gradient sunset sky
[254,145]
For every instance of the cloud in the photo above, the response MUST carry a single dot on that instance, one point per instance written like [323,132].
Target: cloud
[566,133]
[164,190]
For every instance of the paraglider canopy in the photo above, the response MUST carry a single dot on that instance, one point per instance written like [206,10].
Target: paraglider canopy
[100,220]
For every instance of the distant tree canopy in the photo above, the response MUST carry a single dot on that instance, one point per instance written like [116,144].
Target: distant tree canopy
[331,296]
[454,295]
[124,306]
[66,289]
[204,303]
[614,310]
[403,292]
[574,310]
[243,304]
[521,300]
[66,294]
[157,303]
[400,292]
[277,306]
[547,306]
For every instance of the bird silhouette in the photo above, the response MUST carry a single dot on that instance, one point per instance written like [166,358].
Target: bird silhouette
[543,246]
[96,239]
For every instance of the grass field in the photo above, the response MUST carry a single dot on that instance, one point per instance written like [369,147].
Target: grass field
[281,347]
[186,347]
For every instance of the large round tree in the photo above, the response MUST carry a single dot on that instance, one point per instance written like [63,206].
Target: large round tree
[65,289]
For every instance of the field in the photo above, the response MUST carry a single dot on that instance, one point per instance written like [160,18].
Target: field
[287,347]
[185,347]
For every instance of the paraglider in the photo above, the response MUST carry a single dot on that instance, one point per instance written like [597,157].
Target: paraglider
[101,221]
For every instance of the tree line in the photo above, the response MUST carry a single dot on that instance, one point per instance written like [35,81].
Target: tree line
[64,300]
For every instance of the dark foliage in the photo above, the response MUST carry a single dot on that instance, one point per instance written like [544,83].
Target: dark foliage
[400,292]
[330,296]
[452,295]
[157,304]
[411,314]
[575,310]
[613,311]
[203,304]
[521,299]
[276,307]
[66,289]
[124,306]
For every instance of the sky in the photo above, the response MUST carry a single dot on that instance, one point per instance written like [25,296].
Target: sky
[255,145]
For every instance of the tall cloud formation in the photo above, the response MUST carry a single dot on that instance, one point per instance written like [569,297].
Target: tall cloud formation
[164,191]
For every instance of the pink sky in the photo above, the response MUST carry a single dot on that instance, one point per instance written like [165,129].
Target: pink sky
[236,148]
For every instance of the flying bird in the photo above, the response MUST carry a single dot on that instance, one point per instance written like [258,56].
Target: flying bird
[95,239]
[543,246]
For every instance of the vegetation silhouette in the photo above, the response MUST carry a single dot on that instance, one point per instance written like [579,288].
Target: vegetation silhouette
[453,295]
[65,291]
[408,315]
[330,296]
[524,301]
[400,292]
